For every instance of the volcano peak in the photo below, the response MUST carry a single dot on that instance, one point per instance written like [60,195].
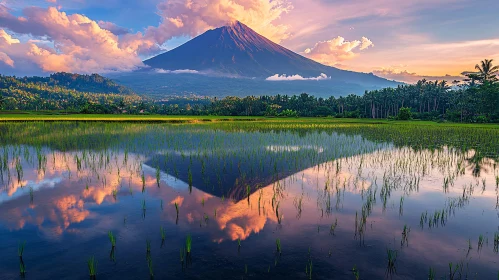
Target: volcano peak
[237,50]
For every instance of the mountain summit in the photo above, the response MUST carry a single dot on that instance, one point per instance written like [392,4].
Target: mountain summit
[237,50]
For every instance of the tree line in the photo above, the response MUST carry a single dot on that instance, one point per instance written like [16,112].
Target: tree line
[476,99]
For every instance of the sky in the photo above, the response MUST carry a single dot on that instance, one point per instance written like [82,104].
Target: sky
[403,40]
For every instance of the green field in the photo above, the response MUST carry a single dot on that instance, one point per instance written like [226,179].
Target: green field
[14,117]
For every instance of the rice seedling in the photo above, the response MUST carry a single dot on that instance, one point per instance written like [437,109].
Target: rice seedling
[22,268]
[143,205]
[355,272]
[149,265]
[158,176]
[163,233]
[31,195]
[112,255]
[148,246]
[405,236]
[92,267]
[189,175]
[176,208]
[452,272]
[238,242]
[310,267]
[143,178]
[20,249]
[188,244]
[496,242]
[401,206]
[392,259]
[480,242]
[112,238]
[431,274]
[278,245]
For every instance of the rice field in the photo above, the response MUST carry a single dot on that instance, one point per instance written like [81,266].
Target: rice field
[279,199]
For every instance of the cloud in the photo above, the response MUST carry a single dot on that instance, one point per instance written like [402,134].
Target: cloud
[191,18]
[284,77]
[408,77]
[180,71]
[337,49]
[115,29]
[79,43]
[6,59]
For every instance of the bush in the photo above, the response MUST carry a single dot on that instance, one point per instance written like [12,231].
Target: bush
[404,114]
[481,119]
[288,113]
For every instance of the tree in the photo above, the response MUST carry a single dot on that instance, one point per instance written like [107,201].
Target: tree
[2,101]
[404,114]
[486,71]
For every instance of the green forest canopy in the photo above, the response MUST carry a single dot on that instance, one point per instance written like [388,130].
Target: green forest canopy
[474,100]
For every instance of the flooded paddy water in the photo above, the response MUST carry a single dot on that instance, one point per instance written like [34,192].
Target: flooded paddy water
[248,201]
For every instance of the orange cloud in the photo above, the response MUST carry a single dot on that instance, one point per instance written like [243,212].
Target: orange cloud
[189,17]
[337,49]
[408,77]
[179,200]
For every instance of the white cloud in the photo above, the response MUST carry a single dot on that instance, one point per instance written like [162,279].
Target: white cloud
[336,50]
[180,71]
[277,77]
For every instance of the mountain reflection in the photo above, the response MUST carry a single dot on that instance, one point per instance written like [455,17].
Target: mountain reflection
[65,194]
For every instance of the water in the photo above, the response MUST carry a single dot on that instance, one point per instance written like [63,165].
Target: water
[336,198]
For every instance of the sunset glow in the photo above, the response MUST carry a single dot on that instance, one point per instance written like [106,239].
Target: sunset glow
[394,39]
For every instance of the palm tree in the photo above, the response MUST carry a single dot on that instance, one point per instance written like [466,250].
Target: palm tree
[487,71]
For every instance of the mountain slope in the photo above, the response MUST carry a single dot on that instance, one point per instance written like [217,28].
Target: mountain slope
[237,50]
[83,83]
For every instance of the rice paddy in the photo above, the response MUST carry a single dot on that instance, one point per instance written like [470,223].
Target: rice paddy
[345,200]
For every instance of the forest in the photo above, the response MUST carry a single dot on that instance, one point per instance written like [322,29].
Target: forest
[475,99]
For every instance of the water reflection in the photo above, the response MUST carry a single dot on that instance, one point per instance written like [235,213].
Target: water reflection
[342,198]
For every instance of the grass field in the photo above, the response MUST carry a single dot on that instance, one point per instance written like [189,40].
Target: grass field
[27,117]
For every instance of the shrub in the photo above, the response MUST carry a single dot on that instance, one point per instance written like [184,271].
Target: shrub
[404,114]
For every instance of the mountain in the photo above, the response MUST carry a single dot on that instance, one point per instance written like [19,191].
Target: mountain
[64,91]
[236,50]
[83,83]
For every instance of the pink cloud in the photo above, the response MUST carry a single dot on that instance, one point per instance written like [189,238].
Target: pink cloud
[337,49]
[115,29]
[6,59]
[189,17]
[80,44]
